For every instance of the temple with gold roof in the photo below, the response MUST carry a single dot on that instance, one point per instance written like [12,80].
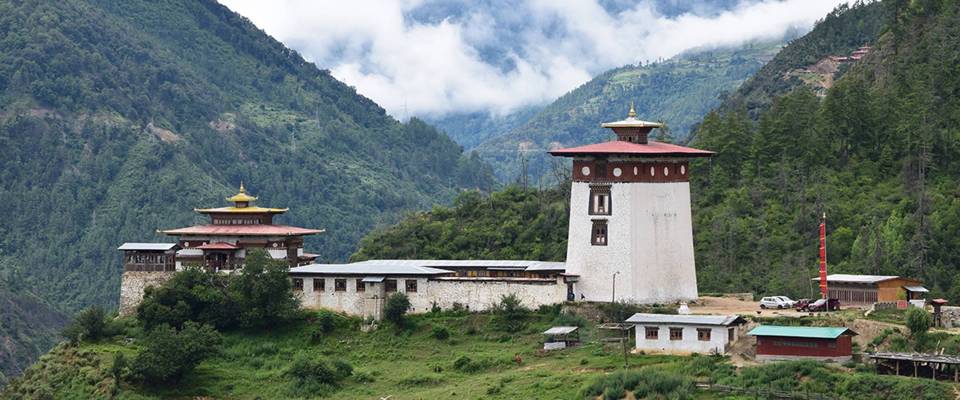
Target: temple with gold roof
[220,245]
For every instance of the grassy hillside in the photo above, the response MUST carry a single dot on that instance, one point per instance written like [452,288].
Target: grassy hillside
[26,324]
[679,91]
[476,361]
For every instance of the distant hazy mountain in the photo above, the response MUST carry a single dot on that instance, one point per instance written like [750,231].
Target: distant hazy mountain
[679,91]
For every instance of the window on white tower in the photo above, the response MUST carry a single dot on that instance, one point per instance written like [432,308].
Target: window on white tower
[600,200]
[599,236]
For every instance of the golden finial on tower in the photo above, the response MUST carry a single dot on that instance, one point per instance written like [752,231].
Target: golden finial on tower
[242,190]
[632,113]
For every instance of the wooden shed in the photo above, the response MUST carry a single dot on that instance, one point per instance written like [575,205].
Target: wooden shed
[864,290]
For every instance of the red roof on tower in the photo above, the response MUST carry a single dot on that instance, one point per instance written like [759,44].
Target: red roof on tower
[619,147]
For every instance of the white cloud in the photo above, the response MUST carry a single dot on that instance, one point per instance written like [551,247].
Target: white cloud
[499,56]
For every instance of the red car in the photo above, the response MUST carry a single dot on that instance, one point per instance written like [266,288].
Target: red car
[818,305]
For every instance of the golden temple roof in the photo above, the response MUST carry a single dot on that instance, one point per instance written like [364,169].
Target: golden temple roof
[242,196]
[242,204]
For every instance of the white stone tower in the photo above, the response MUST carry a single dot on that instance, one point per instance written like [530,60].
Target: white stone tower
[631,235]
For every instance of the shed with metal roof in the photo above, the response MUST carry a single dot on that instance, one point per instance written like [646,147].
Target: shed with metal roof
[776,342]
[684,334]
[864,290]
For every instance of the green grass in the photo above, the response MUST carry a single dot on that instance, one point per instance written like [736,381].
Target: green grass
[410,364]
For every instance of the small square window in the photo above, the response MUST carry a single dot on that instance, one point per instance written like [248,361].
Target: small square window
[600,200]
[676,333]
[599,235]
[390,285]
[319,284]
[361,287]
[298,284]
[703,335]
[411,286]
[340,285]
[651,332]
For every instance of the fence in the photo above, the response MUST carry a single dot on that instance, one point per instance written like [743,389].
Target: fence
[763,392]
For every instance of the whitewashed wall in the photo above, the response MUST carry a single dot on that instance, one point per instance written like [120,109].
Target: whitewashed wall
[690,343]
[478,295]
[650,241]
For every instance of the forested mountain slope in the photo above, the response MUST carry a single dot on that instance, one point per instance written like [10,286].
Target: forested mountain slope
[846,28]
[879,155]
[678,91]
[119,118]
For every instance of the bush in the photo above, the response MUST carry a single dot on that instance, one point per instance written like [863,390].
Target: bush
[168,354]
[440,333]
[466,364]
[316,377]
[326,322]
[918,321]
[395,310]
[510,314]
[569,319]
[89,325]
[643,384]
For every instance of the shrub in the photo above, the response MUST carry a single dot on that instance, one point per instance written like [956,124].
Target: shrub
[918,321]
[434,308]
[440,333]
[643,384]
[510,314]
[614,392]
[569,319]
[326,322]
[89,325]
[466,364]
[396,308]
[168,354]
[316,377]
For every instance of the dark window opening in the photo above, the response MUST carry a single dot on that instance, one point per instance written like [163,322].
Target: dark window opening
[390,285]
[361,287]
[298,284]
[600,200]
[319,284]
[340,285]
[411,285]
[599,236]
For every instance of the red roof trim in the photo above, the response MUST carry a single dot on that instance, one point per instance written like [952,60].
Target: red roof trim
[619,147]
[243,230]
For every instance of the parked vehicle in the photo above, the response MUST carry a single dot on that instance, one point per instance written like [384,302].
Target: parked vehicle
[822,305]
[773,302]
[787,301]
[802,304]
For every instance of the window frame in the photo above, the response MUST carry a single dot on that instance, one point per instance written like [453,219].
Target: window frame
[407,286]
[322,287]
[598,192]
[340,285]
[651,332]
[704,334]
[297,284]
[387,284]
[676,333]
[361,287]
[598,237]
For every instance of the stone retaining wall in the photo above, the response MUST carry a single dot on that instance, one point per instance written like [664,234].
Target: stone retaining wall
[132,285]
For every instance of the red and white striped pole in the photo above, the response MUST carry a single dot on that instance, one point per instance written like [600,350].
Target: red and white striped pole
[823,256]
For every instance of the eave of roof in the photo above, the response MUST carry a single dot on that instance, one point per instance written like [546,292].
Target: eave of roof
[868,279]
[242,230]
[366,269]
[681,319]
[618,147]
[147,246]
[241,210]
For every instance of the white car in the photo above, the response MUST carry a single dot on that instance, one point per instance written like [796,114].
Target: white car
[773,302]
[790,303]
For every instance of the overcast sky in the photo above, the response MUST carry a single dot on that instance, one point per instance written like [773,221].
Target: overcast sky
[493,56]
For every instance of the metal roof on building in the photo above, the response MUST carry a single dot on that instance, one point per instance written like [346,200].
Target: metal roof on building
[919,289]
[868,279]
[525,265]
[723,320]
[816,332]
[367,269]
[560,330]
[147,246]
[618,147]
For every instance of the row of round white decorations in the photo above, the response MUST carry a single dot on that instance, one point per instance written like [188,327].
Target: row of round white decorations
[653,172]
